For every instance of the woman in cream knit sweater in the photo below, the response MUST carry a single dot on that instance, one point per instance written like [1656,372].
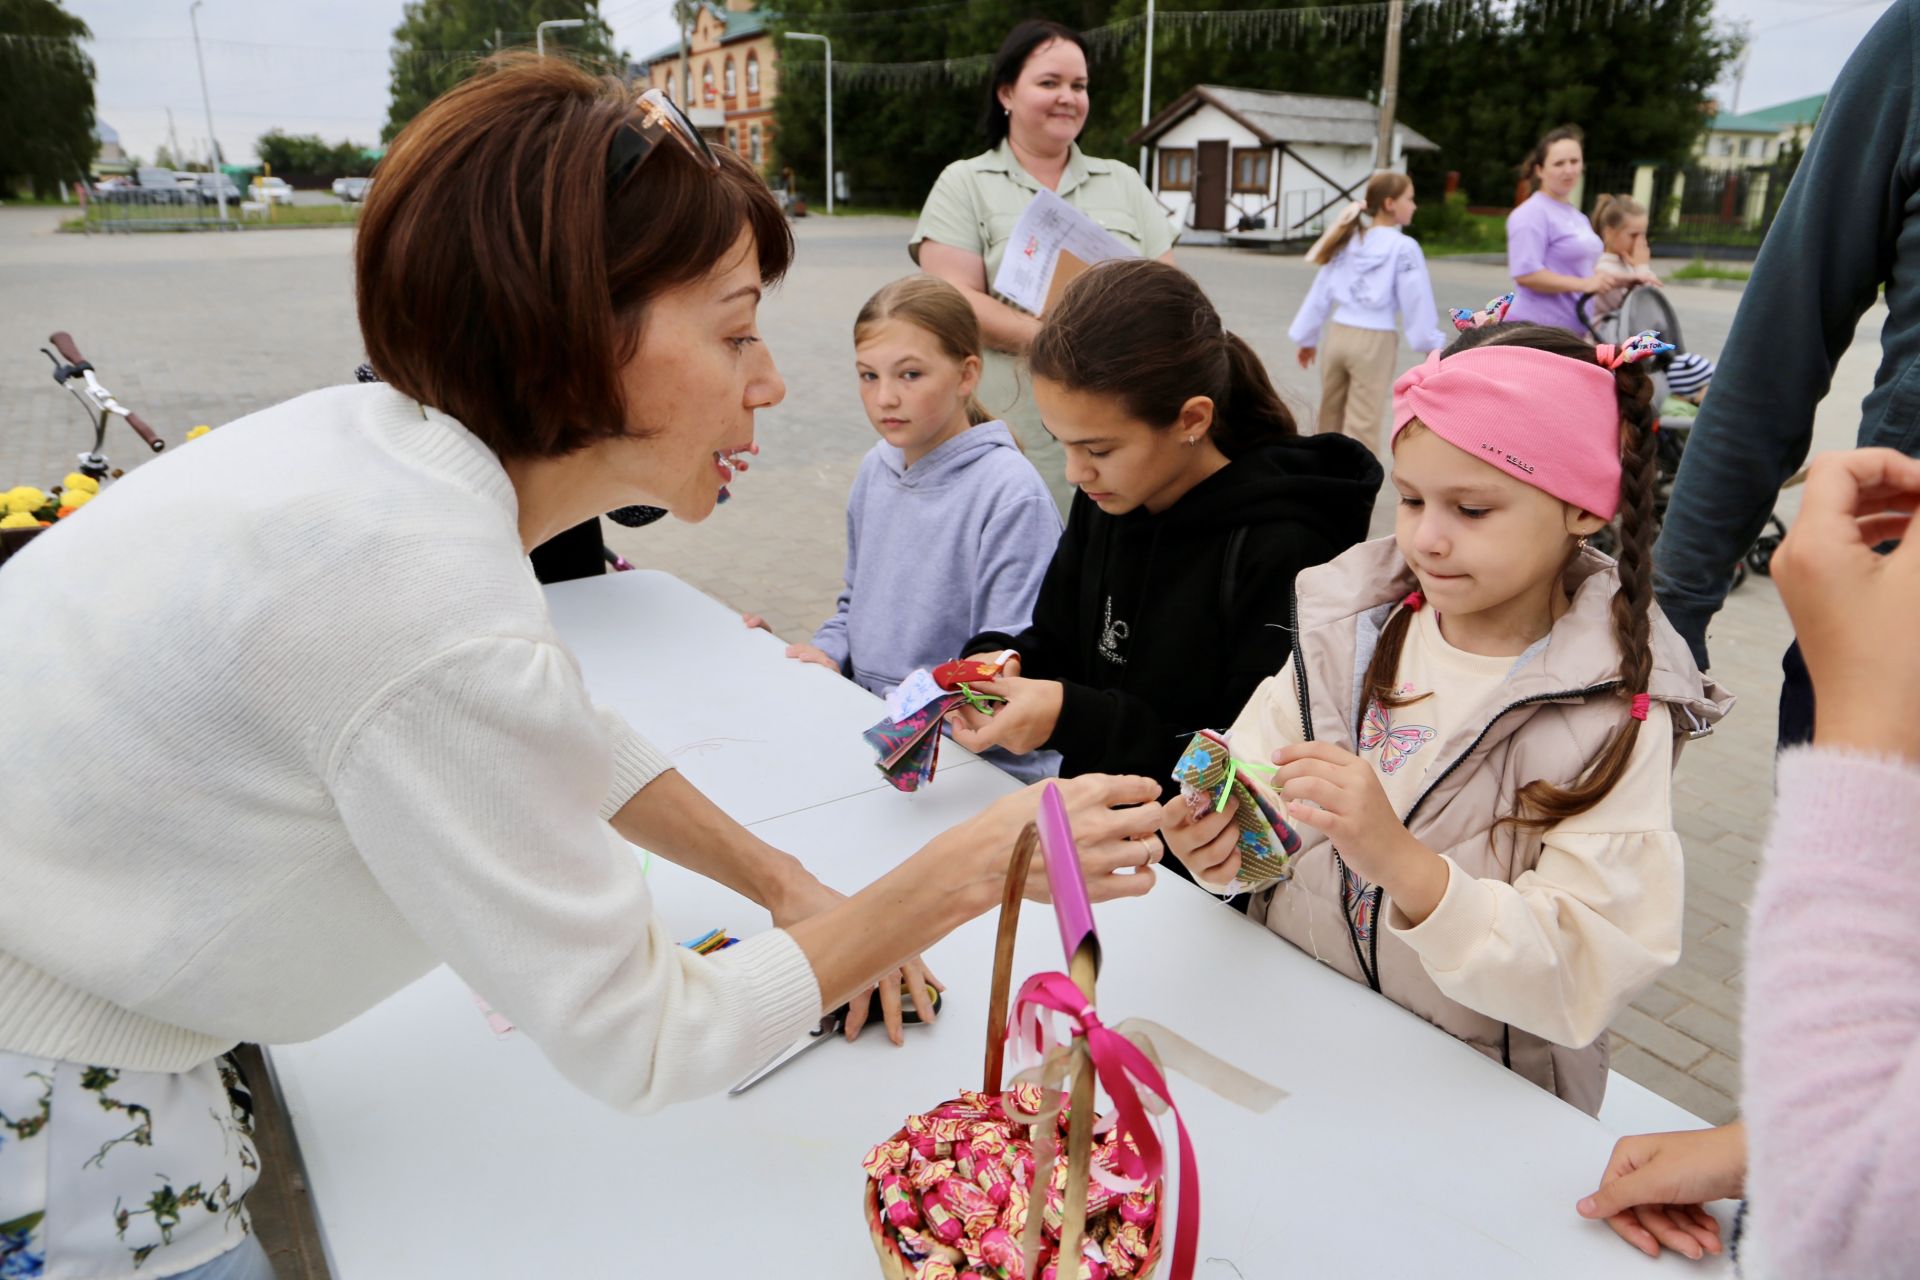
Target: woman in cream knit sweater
[270,758]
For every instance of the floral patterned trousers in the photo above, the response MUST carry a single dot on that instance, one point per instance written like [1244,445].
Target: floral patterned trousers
[107,1174]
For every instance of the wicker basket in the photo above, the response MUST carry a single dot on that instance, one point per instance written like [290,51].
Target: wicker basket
[1080,1121]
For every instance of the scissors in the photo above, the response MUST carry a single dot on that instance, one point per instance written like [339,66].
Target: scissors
[831,1027]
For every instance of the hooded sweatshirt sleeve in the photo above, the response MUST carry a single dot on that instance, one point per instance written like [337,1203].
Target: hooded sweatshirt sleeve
[1046,643]
[1016,549]
[832,638]
[1825,258]
[1413,298]
[1561,950]
[1312,316]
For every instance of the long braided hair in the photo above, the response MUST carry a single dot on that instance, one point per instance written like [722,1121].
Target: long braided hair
[1542,803]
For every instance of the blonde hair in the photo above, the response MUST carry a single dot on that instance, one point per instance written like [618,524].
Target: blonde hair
[1382,187]
[1611,212]
[930,304]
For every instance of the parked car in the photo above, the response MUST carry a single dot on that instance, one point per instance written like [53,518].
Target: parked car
[271,190]
[209,187]
[159,186]
[351,189]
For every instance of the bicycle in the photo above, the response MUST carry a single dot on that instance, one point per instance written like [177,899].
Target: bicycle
[76,373]
[95,399]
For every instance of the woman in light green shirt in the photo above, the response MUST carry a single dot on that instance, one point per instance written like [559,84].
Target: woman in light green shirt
[1036,107]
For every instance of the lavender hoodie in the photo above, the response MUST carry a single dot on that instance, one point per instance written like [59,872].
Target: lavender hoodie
[937,552]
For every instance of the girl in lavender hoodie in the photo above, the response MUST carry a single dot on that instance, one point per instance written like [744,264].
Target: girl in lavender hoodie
[949,527]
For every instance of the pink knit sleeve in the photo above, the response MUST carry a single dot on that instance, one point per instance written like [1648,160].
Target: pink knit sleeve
[1832,1092]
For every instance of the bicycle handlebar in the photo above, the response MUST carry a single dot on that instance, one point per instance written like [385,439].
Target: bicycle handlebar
[146,433]
[63,343]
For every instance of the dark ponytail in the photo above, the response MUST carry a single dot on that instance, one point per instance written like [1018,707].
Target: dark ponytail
[1143,332]
[1541,803]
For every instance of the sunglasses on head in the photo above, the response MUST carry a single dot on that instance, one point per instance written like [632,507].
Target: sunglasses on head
[656,119]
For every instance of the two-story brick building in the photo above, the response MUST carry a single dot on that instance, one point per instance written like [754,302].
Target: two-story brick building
[733,70]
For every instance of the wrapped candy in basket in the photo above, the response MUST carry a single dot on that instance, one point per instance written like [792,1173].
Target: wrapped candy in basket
[978,1186]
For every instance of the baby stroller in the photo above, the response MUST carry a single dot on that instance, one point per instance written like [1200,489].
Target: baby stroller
[1647,307]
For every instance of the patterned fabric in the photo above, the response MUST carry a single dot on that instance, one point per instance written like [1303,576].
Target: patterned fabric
[110,1174]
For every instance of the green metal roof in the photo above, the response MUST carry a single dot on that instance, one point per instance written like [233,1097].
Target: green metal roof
[1771,119]
[750,22]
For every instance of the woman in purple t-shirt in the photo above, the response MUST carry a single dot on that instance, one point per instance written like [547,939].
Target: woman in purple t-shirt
[1551,247]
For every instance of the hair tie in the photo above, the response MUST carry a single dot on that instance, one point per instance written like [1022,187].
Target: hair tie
[1493,313]
[1413,601]
[1641,701]
[1644,345]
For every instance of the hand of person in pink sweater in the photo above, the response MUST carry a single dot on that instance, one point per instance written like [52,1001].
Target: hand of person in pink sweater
[1855,612]
[1656,1184]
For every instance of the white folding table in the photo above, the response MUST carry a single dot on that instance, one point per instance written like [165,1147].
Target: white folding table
[432,1148]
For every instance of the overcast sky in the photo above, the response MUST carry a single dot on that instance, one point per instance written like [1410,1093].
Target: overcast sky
[322,68]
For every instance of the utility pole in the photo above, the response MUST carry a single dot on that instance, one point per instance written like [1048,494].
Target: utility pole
[1389,89]
[173,137]
[802,35]
[213,145]
[1146,94]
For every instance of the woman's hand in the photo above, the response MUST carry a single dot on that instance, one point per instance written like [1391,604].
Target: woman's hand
[807,653]
[1855,612]
[1114,822]
[1304,356]
[1655,1184]
[1335,791]
[1206,842]
[1022,723]
[804,896]
[756,623]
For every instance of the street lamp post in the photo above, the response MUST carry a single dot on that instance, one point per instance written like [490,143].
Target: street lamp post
[540,32]
[803,35]
[213,147]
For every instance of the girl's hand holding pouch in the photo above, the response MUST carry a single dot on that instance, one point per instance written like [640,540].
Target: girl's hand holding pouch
[1333,790]
[1022,723]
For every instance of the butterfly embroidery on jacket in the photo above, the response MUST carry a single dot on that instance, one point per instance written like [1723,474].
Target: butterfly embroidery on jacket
[1397,743]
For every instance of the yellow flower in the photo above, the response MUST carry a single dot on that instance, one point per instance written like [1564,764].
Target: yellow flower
[24,498]
[76,480]
[19,520]
[73,498]
[198,431]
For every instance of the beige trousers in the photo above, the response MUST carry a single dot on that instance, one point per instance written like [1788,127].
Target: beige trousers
[1356,377]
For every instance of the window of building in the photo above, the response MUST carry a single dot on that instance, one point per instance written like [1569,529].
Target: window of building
[706,82]
[1746,146]
[731,88]
[733,138]
[753,145]
[753,73]
[1176,169]
[1250,170]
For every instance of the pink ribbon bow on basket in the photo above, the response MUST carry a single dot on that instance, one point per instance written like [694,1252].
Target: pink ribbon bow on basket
[1051,1013]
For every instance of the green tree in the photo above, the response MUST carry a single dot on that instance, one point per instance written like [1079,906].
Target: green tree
[46,98]
[439,43]
[1481,78]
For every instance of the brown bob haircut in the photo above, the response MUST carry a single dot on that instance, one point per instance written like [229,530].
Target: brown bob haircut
[498,279]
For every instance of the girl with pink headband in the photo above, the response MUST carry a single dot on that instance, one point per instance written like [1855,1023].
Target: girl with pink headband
[1477,728]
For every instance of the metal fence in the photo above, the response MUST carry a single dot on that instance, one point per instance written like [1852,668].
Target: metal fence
[1696,207]
[156,209]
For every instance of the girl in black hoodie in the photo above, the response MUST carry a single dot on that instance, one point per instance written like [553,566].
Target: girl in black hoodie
[1170,596]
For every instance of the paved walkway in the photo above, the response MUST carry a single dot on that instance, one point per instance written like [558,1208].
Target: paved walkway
[204,328]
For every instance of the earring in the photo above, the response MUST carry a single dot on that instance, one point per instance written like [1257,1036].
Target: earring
[1190,439]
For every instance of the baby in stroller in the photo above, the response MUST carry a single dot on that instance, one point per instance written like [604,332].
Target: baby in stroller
[1616,314]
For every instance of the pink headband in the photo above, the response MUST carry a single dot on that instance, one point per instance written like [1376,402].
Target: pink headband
[1544,419]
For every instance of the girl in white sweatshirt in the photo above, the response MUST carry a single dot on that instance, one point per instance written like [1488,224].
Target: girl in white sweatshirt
[1370,274]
